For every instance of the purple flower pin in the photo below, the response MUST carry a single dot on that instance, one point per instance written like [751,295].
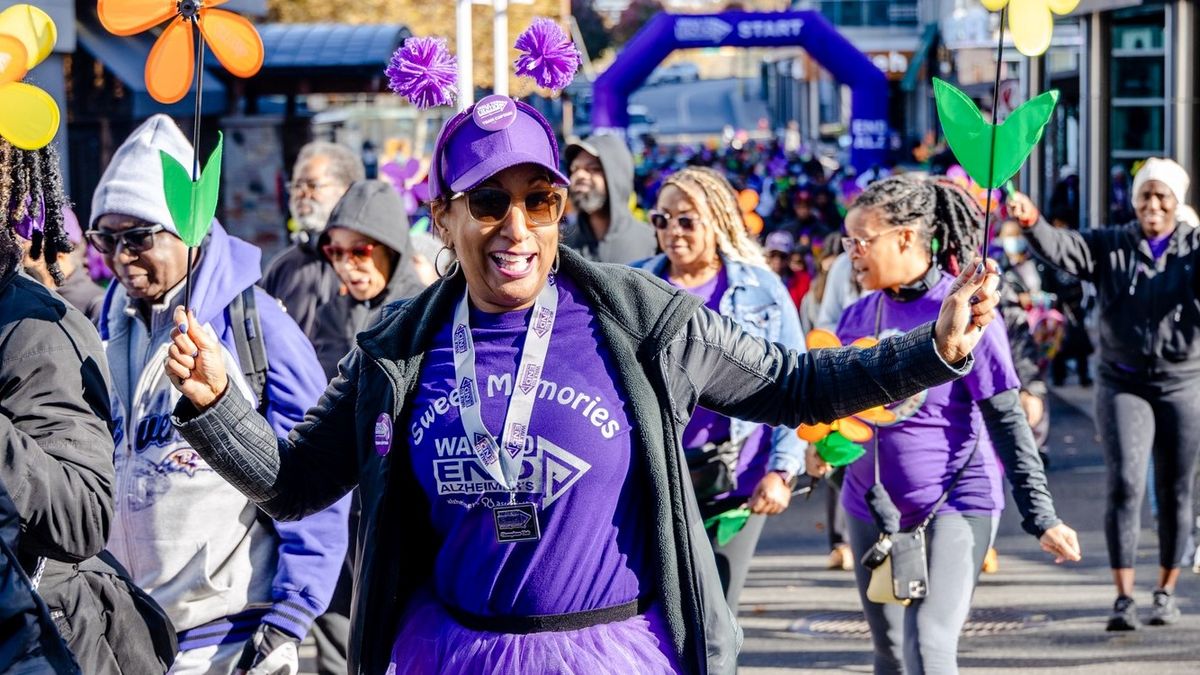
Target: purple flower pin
[547,55]
[424,71]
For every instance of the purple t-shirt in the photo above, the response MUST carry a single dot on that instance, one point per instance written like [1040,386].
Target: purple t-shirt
[707,426]
[935,430]
[577,471]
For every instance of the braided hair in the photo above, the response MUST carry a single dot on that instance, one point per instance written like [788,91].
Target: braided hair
[716,200]
[26,176]
[947,218]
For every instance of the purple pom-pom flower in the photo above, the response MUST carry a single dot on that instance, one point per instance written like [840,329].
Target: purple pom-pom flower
[424,71]
[547,55]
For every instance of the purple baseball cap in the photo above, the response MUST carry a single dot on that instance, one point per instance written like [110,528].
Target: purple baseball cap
[494,134]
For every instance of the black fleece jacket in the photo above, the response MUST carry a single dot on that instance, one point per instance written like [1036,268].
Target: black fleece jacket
[671,354]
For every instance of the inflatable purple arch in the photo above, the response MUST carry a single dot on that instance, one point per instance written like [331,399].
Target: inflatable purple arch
[808,29]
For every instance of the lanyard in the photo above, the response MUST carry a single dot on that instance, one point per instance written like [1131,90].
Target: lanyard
[502,460]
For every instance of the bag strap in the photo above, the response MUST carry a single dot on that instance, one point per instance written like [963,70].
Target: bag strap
[251,349]
[957,474]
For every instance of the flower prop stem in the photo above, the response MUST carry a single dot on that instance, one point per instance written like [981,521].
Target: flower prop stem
[187,284]
[987,218]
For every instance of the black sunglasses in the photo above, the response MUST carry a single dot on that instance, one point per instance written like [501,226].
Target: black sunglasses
[491,206]
[662,221]
[135,240]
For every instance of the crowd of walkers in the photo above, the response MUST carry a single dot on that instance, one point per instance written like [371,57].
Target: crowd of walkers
[548,433]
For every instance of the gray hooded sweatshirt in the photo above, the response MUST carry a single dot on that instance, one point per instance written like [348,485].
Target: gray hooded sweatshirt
[371,208]
[627,238]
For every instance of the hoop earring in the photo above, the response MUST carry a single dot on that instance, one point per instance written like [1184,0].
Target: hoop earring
[451,269]
[557,261]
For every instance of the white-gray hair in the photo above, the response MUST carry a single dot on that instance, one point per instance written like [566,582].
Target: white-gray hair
[345,166]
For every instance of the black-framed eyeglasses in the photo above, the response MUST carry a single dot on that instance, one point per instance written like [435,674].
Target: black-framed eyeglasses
[135,239]
[491,206]
[662,221]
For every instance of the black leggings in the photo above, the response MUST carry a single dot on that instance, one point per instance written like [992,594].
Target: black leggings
[1134,419]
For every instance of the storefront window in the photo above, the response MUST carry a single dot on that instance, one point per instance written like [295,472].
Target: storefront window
[1138,91]
[870,12]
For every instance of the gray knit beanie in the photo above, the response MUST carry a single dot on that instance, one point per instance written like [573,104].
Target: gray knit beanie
[132,183]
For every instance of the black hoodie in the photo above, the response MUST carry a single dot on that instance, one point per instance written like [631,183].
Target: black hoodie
[371,208]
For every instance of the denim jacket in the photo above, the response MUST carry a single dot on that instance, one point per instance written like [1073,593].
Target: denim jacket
[758,301]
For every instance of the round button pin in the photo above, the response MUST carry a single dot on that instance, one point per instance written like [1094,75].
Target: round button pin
[495,112]
[383,434]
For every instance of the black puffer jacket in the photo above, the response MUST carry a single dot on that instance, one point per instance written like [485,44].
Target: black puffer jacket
[671,354]
[56,447]
[1149,313]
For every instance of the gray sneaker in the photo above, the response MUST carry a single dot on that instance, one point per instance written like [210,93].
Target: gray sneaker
[1164,612]
[1124,615]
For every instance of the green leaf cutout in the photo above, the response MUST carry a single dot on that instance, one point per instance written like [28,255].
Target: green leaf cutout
[837,450]
[728,523]
[192,204]
[970,135]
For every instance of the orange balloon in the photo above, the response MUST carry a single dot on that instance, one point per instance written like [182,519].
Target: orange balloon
[877,415]
[233,40]
[130,17]
[865,342]
[747,200]
[813,433]
[854,430]
[170,66]
[754,223]
[819,338]
[13,59]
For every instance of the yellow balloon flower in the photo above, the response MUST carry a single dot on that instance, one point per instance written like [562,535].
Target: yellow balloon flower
[1031,22]
[28,115]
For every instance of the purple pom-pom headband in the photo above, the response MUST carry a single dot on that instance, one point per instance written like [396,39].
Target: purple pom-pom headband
[424,71]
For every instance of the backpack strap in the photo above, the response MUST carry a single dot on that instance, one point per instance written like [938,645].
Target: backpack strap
[251,349]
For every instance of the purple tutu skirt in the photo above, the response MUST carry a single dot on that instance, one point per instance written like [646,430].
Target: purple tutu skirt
[430,642]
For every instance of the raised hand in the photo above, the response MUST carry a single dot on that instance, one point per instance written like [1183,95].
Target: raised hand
[968,308]
[195,362]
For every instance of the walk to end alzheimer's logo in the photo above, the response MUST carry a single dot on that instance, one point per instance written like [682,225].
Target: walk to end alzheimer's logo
[547,472]
[543,321]
[466,392]
[460,339]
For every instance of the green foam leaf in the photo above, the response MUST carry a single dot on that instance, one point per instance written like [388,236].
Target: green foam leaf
[970,135]
[837,450]
[192,204]
[728,523]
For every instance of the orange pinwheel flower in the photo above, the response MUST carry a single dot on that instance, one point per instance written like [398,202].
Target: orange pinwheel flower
[854,427]
[171,64]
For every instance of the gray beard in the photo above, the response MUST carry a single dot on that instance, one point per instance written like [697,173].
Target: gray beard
[588,202]
[315,221]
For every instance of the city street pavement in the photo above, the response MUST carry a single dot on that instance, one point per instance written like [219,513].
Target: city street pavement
[1032,616]
[702,107]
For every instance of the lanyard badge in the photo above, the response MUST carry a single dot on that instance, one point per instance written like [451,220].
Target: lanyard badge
[502,459]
